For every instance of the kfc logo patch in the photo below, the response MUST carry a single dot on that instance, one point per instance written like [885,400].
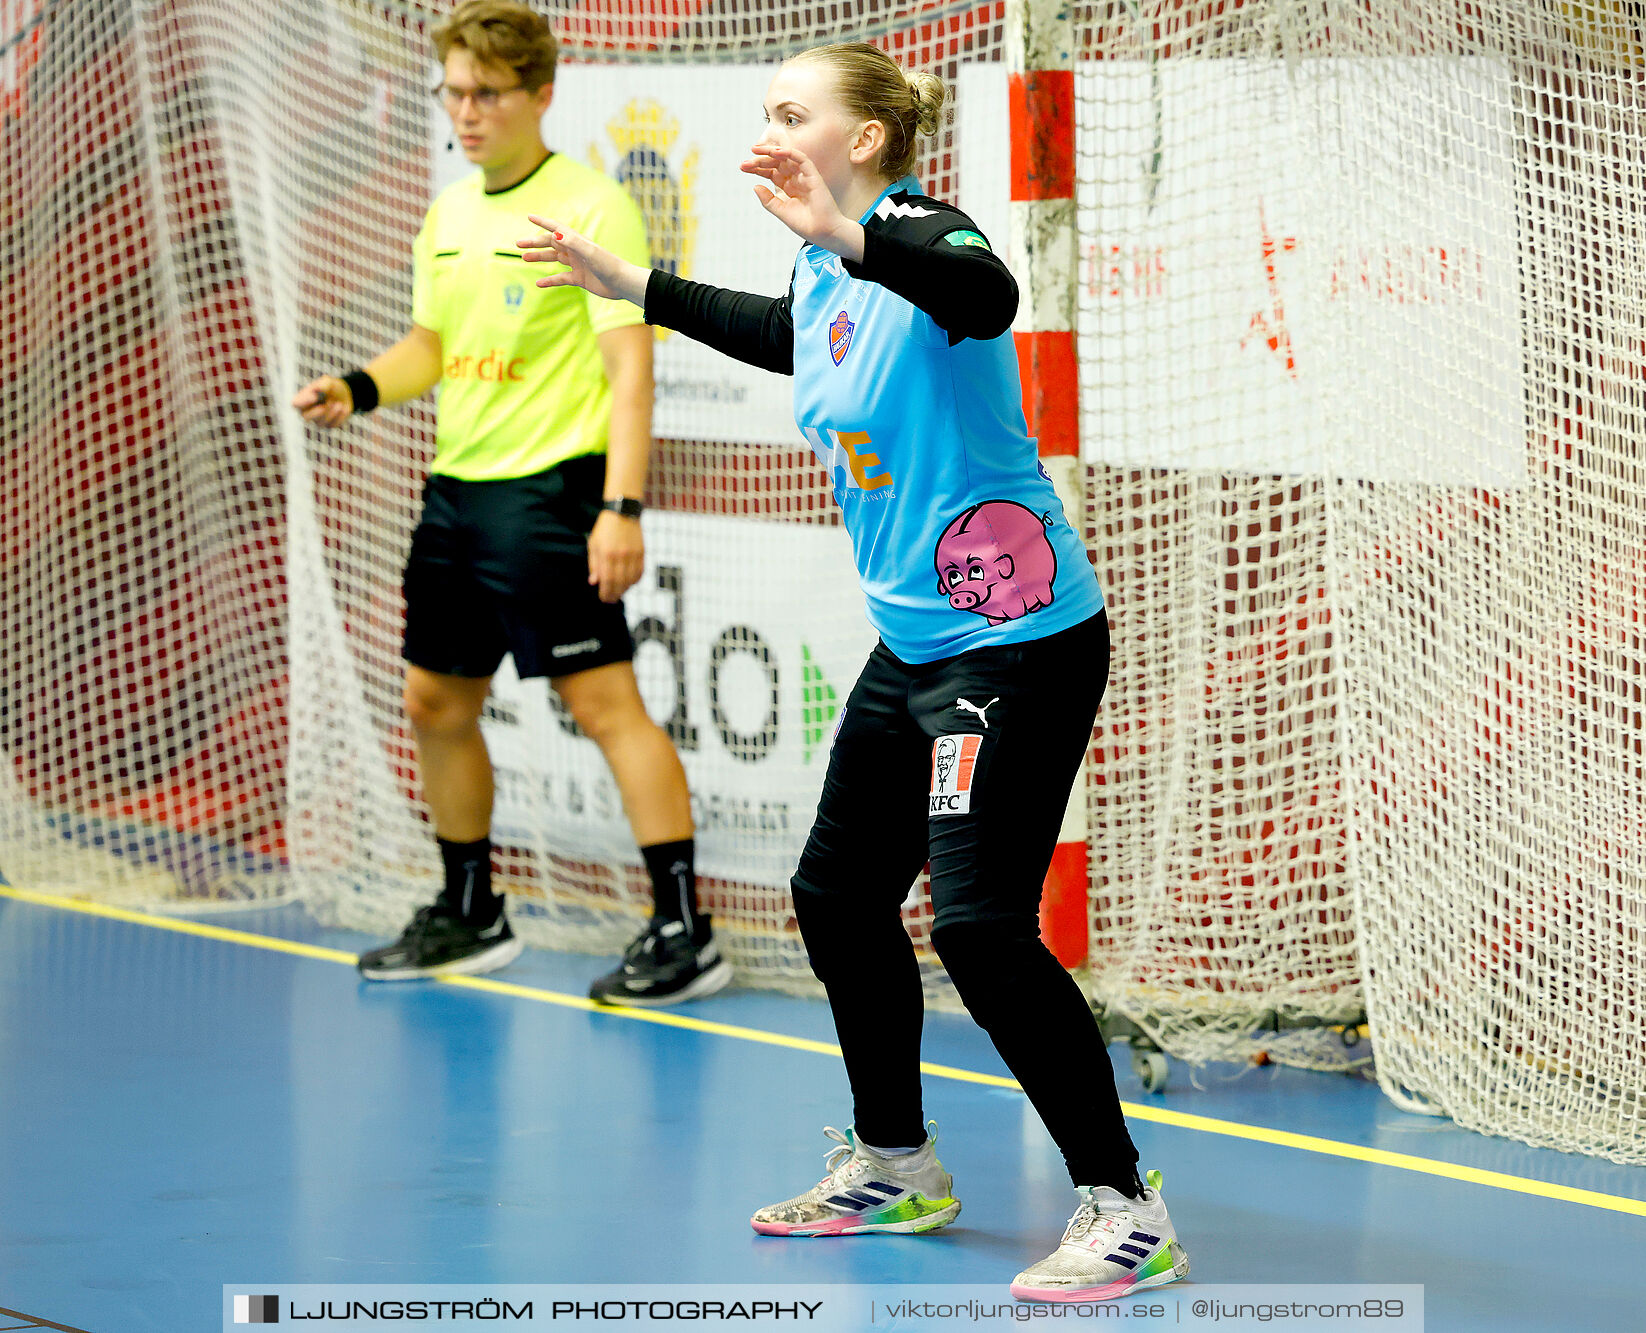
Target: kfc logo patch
[954,760]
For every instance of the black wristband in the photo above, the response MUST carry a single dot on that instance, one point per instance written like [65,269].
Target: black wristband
[625,506]
[363,389]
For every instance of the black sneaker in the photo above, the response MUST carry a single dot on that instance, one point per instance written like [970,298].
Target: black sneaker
[663,966]
[438,941]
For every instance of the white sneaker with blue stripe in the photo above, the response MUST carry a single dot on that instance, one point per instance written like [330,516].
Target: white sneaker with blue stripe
[1111,1246]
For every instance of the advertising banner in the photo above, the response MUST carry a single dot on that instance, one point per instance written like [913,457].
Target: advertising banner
[1301,267]
[748,637]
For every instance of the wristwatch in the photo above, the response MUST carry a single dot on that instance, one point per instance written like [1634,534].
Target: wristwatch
[625,506]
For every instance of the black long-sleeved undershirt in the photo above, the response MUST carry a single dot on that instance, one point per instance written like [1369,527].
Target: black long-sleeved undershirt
[966,289]
[752,328]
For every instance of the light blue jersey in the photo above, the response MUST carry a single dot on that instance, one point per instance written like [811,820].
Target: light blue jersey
[960,539]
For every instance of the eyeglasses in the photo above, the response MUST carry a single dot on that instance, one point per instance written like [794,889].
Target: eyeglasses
[484,99]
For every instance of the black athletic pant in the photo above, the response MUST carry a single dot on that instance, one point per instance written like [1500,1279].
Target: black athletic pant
[967,761]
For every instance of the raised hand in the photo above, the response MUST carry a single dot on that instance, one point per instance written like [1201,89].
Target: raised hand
[587,265]
[801,200]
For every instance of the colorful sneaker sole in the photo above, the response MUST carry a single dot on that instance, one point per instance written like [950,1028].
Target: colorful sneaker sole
[487,960]
[1168,1265]
[905,1219]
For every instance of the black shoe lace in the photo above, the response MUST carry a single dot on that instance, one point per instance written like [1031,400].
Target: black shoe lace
[643,945]
[419,925]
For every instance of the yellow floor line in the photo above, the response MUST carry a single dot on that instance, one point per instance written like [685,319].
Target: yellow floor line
[1137,1111]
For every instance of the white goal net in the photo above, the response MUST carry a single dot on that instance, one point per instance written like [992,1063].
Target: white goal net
[1362,420]
[1364,416]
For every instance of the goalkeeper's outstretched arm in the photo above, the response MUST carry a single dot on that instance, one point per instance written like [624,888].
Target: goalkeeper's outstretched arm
[405,371]
[755,329]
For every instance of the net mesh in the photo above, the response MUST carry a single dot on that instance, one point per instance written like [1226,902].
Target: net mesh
[1360,329]
[142,700]
[1363,417]
[201,600]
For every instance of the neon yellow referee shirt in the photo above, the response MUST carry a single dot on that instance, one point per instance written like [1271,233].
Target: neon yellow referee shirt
[523,387]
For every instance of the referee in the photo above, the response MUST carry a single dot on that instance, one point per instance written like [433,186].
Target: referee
[530,532]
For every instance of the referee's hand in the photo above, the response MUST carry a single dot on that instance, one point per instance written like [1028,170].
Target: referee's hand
[324,402]
[617,555]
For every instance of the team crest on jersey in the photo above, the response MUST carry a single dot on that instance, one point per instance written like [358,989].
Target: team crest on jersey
[840,337]
[954,762]
[513,295]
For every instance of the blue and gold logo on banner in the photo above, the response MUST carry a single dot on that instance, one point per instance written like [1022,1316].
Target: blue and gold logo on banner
[645,136]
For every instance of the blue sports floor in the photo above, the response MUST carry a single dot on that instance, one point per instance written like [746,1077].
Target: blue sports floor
[185,1105]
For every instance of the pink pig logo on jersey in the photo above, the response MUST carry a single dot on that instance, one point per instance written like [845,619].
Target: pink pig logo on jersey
[840,337]
[996,561]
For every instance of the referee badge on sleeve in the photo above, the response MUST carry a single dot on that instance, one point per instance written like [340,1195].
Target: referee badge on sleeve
[954,761]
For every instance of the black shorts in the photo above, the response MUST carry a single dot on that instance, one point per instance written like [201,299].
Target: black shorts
[966,762]
[503,567]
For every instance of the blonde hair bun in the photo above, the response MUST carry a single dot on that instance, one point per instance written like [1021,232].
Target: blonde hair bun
[929,94]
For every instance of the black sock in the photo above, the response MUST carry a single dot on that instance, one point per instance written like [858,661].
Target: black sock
[468,892]
[674,885]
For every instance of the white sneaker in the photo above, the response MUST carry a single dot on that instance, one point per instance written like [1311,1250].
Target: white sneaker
[1111,1246]
[866,1191]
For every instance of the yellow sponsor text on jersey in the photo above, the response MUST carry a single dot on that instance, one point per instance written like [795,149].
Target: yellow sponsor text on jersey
[853,442]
